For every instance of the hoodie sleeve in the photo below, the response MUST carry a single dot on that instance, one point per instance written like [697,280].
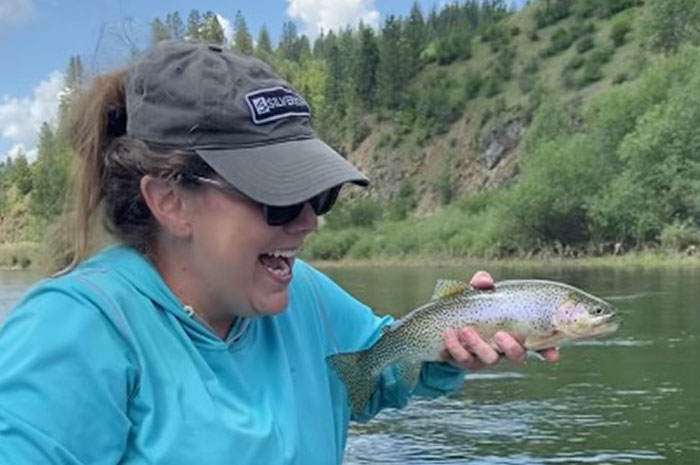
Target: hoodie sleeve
[65,382]
[353,327]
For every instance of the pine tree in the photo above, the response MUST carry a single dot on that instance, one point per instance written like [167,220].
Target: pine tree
[391,72]
[242,40]
[212,30]
[333,88]
[264,46]
[194,26]
[21,174]
[415,33]
[365,69]
[287,47]
[48,177]
[159,31]
[302,48]
[318,50]
[175,26]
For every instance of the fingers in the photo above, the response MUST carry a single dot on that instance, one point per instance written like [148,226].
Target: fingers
[510,346]
[456,353]
[467,349]
[472,342]
[481,280]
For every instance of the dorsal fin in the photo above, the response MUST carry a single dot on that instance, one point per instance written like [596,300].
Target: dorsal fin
[447,288]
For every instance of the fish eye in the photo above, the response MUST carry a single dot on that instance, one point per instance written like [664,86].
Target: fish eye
[598,311]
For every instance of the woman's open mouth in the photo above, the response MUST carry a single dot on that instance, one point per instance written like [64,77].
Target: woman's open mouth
[279,263]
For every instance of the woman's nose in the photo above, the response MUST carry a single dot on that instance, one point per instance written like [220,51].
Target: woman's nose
[306,222]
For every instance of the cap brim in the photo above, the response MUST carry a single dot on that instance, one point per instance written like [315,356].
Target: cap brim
[285,173]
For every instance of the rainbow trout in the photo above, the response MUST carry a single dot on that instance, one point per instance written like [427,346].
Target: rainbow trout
[543,314]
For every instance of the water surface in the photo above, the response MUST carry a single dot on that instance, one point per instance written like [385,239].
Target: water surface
[634,398]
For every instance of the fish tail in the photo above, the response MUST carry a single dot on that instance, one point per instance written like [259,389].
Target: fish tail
[354,372]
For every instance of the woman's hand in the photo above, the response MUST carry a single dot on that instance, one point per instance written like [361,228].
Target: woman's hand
[466,349]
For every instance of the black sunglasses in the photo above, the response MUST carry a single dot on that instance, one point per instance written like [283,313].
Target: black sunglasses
[275,215]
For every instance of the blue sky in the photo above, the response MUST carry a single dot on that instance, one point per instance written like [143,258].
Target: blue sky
[37,37]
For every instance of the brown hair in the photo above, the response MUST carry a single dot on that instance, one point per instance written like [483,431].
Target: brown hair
[110,165]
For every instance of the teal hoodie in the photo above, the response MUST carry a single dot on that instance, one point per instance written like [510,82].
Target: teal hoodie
[104,365]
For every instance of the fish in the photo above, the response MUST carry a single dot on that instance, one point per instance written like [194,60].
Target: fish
[542,314]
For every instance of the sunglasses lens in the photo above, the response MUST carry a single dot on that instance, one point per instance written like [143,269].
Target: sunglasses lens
[323,202]
[278,216]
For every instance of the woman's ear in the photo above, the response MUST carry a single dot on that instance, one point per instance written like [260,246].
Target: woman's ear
[167,204]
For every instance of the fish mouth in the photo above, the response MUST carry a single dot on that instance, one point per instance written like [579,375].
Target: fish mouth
[607,324]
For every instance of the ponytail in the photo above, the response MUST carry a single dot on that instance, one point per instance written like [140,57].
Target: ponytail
[91,134]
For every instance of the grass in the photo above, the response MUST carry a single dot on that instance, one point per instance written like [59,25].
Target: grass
[642,259]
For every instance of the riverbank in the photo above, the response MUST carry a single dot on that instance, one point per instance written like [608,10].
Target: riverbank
[643,259]
[35,256]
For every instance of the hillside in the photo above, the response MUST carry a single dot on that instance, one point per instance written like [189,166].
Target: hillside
[573,59]
[566,128]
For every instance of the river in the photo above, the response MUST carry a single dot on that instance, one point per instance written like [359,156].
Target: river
[634,398]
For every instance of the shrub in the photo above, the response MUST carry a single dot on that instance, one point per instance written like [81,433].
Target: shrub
[472,84]
[561,40]
[619,31]
[527,82]
[680,235]
[358,213]
[404,203]
[592,71]
[554,11]
[327,244]
[585,44]
[358,133]
[601,55]
[575,63]
[620,78]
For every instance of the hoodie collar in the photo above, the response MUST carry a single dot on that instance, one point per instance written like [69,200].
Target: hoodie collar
[141,273]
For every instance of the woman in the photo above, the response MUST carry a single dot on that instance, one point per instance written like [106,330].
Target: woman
[201,339]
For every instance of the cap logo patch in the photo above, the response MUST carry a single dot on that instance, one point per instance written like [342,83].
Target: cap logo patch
[275,103]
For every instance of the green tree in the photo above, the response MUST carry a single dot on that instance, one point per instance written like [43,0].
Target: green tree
[175,26]
[194,26]
[392,75]
[333,89]
[242,40]
[287,47]
[416,36]
[21,174]
[159,31]
[211,29]
[264,46]
[49,176]
[670,23]
[365,69]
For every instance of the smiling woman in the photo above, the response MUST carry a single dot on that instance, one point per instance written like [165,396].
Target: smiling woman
[201,338]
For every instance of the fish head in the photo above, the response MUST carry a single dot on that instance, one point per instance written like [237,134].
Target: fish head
[583,316]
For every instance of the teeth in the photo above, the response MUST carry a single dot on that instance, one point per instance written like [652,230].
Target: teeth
[284,253]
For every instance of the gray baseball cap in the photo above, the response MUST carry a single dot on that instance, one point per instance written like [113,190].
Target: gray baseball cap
[236,113]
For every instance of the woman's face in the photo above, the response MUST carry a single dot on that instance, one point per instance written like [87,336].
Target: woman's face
[245,265]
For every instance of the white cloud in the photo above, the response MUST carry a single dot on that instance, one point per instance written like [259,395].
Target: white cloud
[226,26]
[16,149]
[21,118]
[14,11]
[332,14]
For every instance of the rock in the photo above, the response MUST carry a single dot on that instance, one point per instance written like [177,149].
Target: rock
[496,143]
